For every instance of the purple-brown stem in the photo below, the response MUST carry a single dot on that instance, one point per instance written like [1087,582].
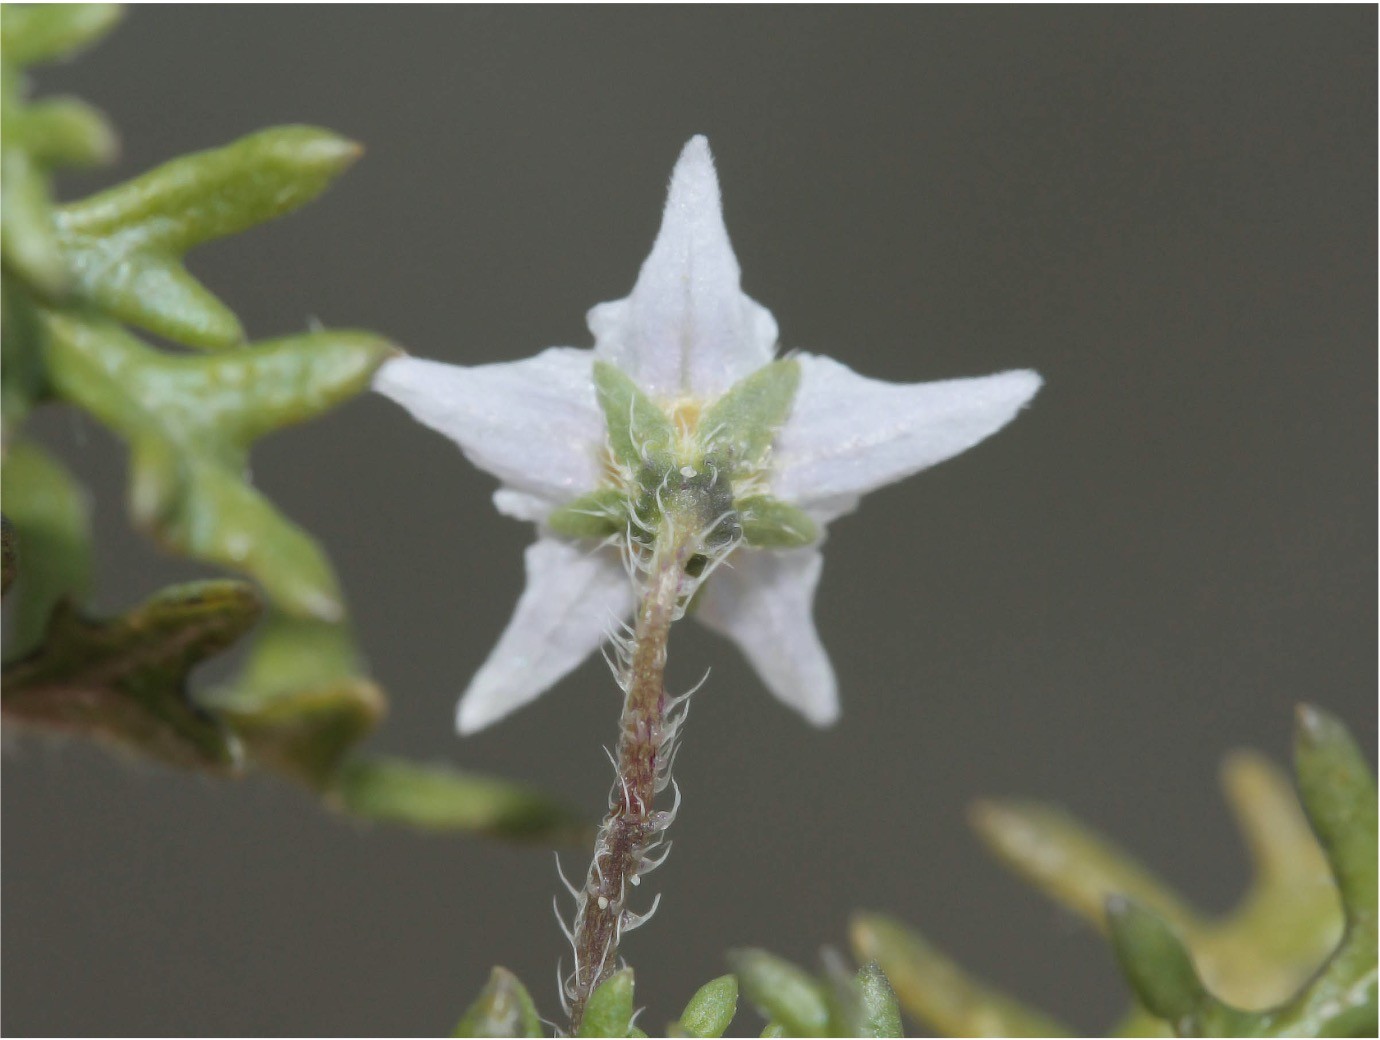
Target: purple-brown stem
[632,828]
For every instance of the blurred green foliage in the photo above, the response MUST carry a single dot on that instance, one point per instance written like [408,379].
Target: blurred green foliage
[75,278]
[1296,957]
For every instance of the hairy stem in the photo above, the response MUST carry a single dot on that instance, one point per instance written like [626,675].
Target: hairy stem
[632,829]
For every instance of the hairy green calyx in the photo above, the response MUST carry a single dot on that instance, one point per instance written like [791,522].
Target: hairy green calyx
[705,466]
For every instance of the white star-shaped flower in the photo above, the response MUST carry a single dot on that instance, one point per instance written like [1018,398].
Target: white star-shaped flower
[790,450]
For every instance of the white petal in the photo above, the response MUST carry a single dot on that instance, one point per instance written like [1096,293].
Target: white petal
[764,602]
[535,424]
[572,600]
[687,328]
[521,506]
[848,434]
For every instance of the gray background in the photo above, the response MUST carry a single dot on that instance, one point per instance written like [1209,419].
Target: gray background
[1169,213]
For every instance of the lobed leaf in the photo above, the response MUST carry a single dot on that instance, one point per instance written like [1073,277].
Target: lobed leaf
[189,421]
[124,680]
[124,245]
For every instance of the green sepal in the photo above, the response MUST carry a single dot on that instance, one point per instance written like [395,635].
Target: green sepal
[769,523]
[31,33]
[124,680]
[774,1029]
[738,428]
[639,431]
[50,515]
[596,515]
[782,992]
[124,245]
[301,704]
[939,993]
[503,1008]
[881,1015]
[710,1011]
[439,798]
[609,1010]
[189,421]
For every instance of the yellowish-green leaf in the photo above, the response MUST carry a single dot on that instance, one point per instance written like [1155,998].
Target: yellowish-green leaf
[937,992]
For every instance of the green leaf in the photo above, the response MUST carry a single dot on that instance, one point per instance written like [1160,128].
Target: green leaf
[28,237]
[596,515]
[189,421]
[31,33]
[769,523]
[1160,970]
[50,515]
[124,680]
[939,993]
[774,1029]
[609,1010]
[711,1010]
[61,132]
[301,704]
[880,1013]
[22,381]
[437,797]
[1338,793]
[639,431]
[125,245]
[781,992]
[503,1008]
[740,425]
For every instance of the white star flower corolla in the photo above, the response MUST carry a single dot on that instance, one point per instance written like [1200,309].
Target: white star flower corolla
[672,350]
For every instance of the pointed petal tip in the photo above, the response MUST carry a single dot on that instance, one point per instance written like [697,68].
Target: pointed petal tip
[694,182]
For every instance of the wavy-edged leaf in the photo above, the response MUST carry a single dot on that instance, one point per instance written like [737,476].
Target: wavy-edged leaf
[124,680]
[189,421]
[124,245]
